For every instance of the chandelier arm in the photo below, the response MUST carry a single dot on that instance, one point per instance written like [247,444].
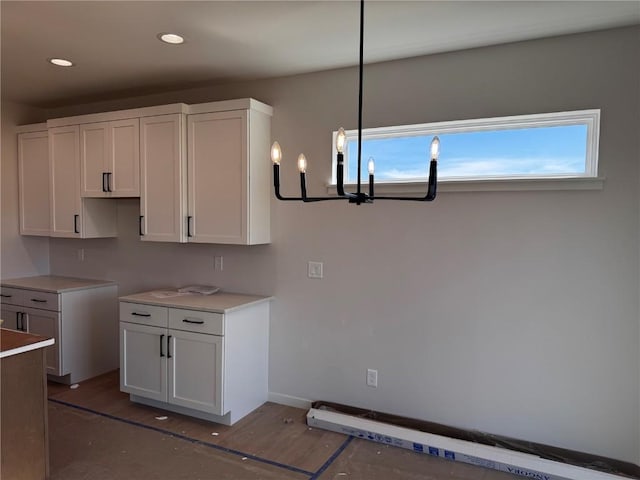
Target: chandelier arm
[431,188]
[276,185]
[321,199]
[426,198]
[307,199]
[280,197]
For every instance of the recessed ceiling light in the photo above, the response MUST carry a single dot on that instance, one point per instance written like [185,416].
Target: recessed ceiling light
[61,62]
[172,38]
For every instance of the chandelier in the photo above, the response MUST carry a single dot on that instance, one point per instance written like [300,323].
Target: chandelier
[359,196]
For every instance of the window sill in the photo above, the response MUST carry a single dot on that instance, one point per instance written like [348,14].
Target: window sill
[501,185]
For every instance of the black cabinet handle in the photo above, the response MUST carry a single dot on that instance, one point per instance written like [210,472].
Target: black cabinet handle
[161,339]
[37,300]
[109,182]
[75,223]
[4,295]
[197,322]
[104,181]
[20,321]
[140,226]
[189,220]
[169,346]
[141,314]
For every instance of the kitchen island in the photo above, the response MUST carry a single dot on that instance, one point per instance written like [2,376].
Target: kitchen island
[24,443]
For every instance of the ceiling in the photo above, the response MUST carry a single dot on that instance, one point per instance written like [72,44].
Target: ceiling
[116,51]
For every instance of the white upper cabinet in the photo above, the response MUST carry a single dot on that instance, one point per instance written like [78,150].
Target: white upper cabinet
[72,216]
[207,181]
[218,178]
[163,174]
[110,158]
[228,171]
[64,165]
[202,173]
[33,178]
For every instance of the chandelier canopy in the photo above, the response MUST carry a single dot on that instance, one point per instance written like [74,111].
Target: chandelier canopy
[358,197]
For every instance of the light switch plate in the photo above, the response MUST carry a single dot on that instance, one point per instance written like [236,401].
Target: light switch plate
[314,270]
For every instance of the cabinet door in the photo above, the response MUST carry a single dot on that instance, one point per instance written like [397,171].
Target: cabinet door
[195,371]
[47,324]
[217,177]
[33,177]
[143,362]
[10,315]
[94,157]
[64,168]
[163,179]
[110,157]
[124,162]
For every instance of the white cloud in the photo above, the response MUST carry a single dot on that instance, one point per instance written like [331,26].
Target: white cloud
[471,167]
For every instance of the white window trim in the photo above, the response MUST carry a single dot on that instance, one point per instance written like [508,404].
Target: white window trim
[586,181]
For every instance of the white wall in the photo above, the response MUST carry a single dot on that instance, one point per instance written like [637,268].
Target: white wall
[20,256]
[514,313]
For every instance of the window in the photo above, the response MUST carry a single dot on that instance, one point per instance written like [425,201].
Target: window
[551,146]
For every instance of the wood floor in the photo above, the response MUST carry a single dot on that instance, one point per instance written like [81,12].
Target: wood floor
[96,433]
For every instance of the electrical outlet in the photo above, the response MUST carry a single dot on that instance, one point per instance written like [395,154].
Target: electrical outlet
[80,254]
[314,269]
[372,377]
[218,265]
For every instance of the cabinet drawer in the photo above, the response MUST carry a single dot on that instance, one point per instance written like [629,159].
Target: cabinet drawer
[143,314]
[195,321]
[12,296]
[31,298]
[43,300]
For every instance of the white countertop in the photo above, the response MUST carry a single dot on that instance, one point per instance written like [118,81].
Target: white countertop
[54,284]
[220,302]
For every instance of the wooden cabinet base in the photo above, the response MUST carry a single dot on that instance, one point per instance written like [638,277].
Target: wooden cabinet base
[24,443]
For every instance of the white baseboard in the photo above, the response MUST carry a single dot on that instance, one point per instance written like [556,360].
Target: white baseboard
[289,400]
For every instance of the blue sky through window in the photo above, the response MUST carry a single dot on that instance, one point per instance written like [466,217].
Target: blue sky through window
[535,151]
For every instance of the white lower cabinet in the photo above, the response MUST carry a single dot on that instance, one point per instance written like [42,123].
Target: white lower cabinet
[205,356]
[47,324]
[181,368]
[11,317]
[189,353]
[33,320]
[79,314]
[143,364]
